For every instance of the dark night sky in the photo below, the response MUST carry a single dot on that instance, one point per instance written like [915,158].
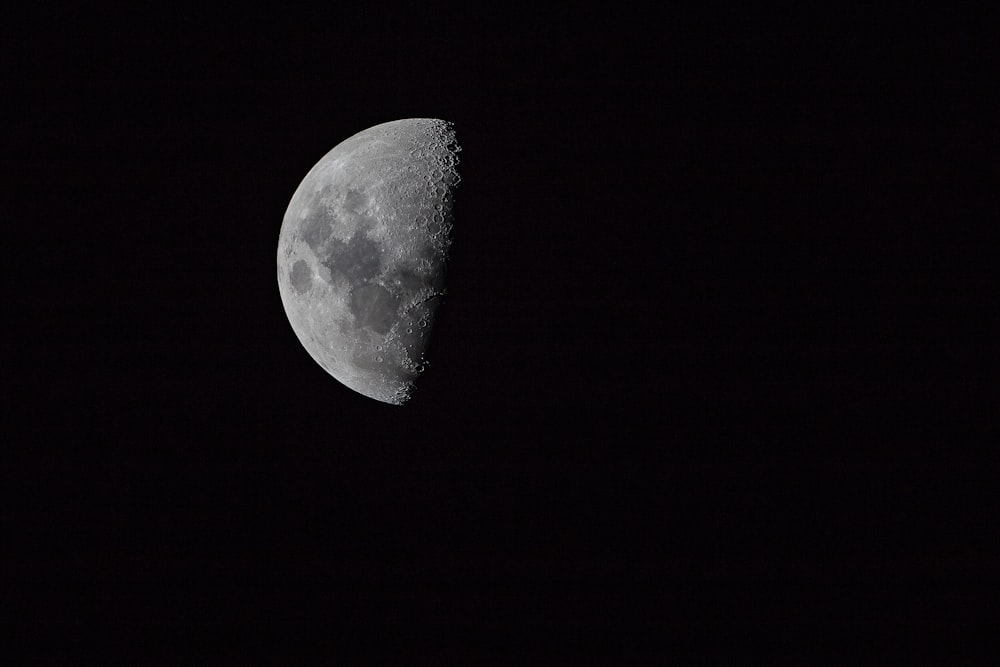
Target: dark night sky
[716,376]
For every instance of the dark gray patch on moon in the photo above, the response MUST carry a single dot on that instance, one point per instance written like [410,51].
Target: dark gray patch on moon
[316,229]
[373,307]
[406,281]
[357,260]
[301,276]
[355,201]
[367,363]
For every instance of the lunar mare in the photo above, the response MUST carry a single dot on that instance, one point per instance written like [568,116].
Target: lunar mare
[362,254]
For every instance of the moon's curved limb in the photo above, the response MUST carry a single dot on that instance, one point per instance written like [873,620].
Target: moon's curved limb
[362,252]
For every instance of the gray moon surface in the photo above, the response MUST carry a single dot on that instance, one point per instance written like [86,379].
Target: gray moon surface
[362,254]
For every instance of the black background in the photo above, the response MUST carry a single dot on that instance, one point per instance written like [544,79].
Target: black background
[716,377]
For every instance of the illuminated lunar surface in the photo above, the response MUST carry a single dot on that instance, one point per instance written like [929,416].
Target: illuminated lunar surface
[362,253]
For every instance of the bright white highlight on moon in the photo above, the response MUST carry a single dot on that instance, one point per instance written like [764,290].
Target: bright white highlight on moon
[362,253]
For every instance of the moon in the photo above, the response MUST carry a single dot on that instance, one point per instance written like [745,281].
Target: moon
[362,254]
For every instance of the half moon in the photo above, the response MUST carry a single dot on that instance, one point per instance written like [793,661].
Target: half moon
[362,254]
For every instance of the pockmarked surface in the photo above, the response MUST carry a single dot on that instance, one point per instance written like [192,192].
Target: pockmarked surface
[362,254]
